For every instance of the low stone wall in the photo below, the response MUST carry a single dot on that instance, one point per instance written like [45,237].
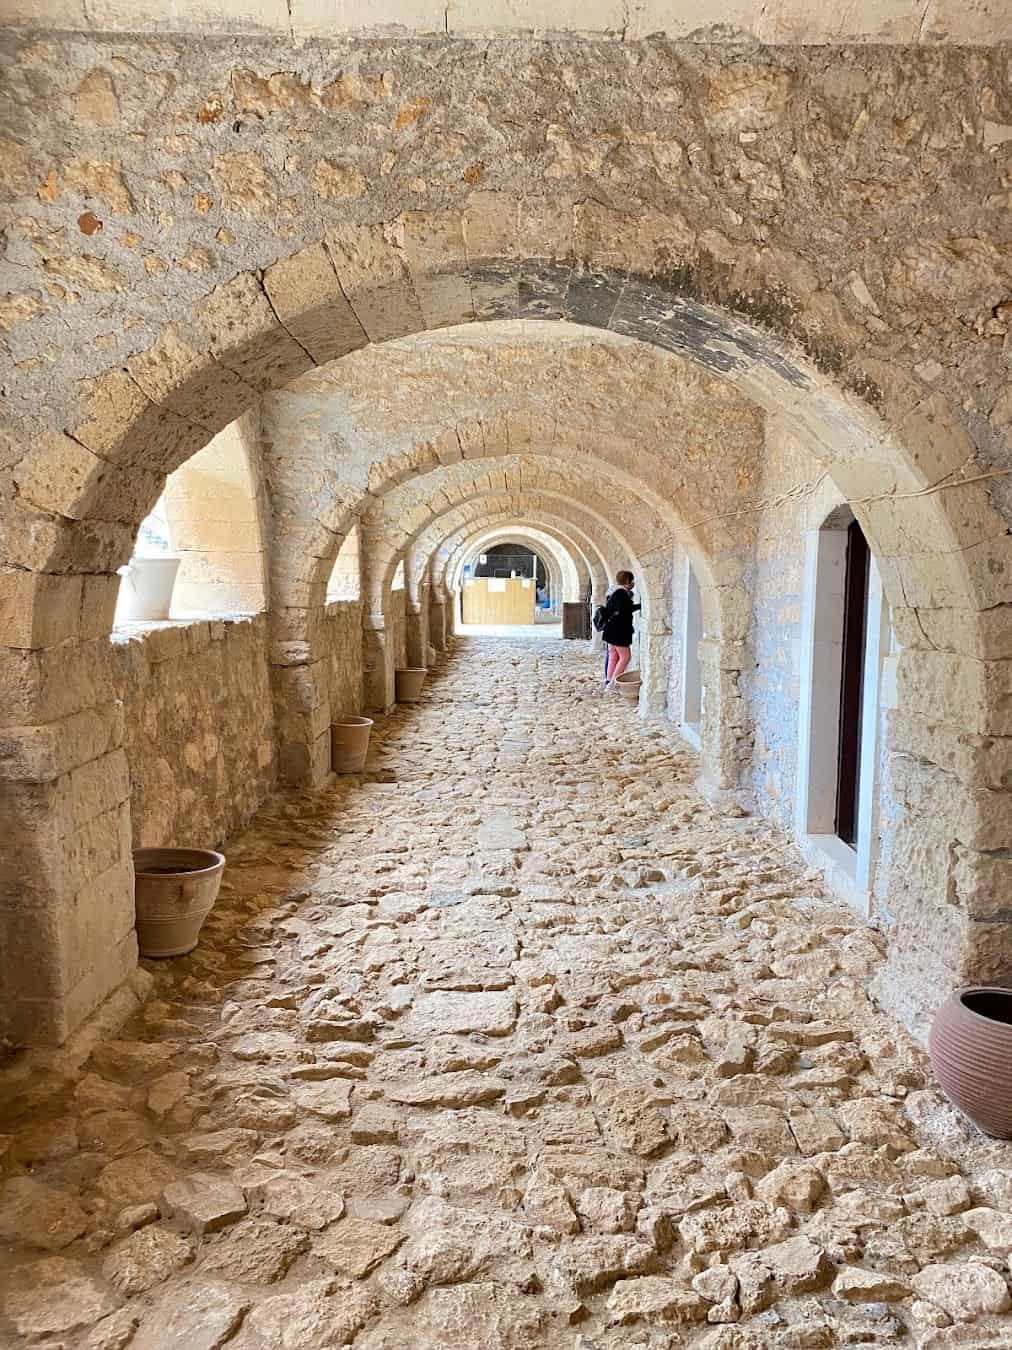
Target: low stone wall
[199,727]
[343,642]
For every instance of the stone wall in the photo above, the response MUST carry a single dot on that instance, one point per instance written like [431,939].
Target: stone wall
[199,728]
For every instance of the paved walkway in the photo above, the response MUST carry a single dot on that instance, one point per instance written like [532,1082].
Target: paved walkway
[511,1043]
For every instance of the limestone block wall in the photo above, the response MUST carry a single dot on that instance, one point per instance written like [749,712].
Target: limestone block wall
[771,681]
[199,734]
[343,646]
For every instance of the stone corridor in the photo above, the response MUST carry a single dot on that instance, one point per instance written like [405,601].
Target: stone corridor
[513,1042]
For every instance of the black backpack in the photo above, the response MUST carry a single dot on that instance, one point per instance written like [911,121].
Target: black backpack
[600,618]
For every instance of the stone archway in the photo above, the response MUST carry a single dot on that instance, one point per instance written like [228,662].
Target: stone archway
[80,494]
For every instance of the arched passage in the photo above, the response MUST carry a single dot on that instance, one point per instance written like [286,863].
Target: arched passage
[446,563]
[564,570]
[78,485]
[469,514]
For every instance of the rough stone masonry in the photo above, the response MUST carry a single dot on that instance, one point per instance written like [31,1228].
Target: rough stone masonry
[592,1067]
[674,305]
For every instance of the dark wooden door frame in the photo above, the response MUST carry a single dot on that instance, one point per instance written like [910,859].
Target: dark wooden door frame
[855,630]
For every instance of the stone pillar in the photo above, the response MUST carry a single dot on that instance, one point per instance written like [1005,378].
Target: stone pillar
[417,634]
[66,875]
[723,728]
[437,621]
[945,868]
[450,600]
[377,668]
[301,691]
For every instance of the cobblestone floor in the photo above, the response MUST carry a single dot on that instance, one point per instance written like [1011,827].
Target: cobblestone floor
[513,1042]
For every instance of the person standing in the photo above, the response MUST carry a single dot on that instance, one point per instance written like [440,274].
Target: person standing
[618,629]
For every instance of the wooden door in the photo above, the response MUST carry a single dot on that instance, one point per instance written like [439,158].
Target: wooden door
[498,600]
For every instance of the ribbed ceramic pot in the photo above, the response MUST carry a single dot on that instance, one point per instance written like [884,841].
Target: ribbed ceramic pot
[408,682]
[971,1052]
[174,892]
[349,743]
[629,685]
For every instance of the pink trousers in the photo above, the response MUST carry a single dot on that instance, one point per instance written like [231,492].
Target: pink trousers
[618,659]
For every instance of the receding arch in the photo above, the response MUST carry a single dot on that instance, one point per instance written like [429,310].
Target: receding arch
[381,562]
[567,573]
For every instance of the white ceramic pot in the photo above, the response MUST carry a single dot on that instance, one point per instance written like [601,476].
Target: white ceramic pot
[146,589]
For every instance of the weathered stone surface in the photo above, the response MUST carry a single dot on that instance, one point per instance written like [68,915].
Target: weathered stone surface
[547,1203]
[136,1179]
[144,1259]
[559,1148]
[654,1299]
[58,1297]
[294,1199]
[39,1215]
[202,1203]
[196,1315]
[963,1291]
[252,1251]
[449,1089]
[356,1246]
[320,1313]
[330,1100]
[637,1125]
[492,1014]
[868,1286]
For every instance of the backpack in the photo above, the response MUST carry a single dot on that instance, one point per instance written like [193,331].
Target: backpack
[600,618]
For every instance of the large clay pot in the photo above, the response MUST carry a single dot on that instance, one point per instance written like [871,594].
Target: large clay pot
[174,890]
[408,683]
[629,685]
[146,589]
[971,1051]
[349,743]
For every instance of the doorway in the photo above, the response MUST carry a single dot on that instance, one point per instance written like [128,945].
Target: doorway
[845,635]
[855,635]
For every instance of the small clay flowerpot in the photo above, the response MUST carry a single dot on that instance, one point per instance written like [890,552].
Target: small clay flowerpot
[408,682]
[349,743]
[629,685]
[971,1052]
[174,892]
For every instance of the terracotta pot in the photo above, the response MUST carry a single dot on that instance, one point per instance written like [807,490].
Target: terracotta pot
[174,891]
[629,685]
[408,682]
[971,1051]
[349,743]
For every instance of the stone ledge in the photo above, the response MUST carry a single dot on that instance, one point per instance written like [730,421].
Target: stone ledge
[727,22]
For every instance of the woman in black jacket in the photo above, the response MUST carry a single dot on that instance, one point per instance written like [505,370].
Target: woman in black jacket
[618,629]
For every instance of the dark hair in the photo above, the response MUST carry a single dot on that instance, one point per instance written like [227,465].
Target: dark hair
[624,578]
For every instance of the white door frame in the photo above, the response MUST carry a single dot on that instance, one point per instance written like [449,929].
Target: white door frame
[848,871]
